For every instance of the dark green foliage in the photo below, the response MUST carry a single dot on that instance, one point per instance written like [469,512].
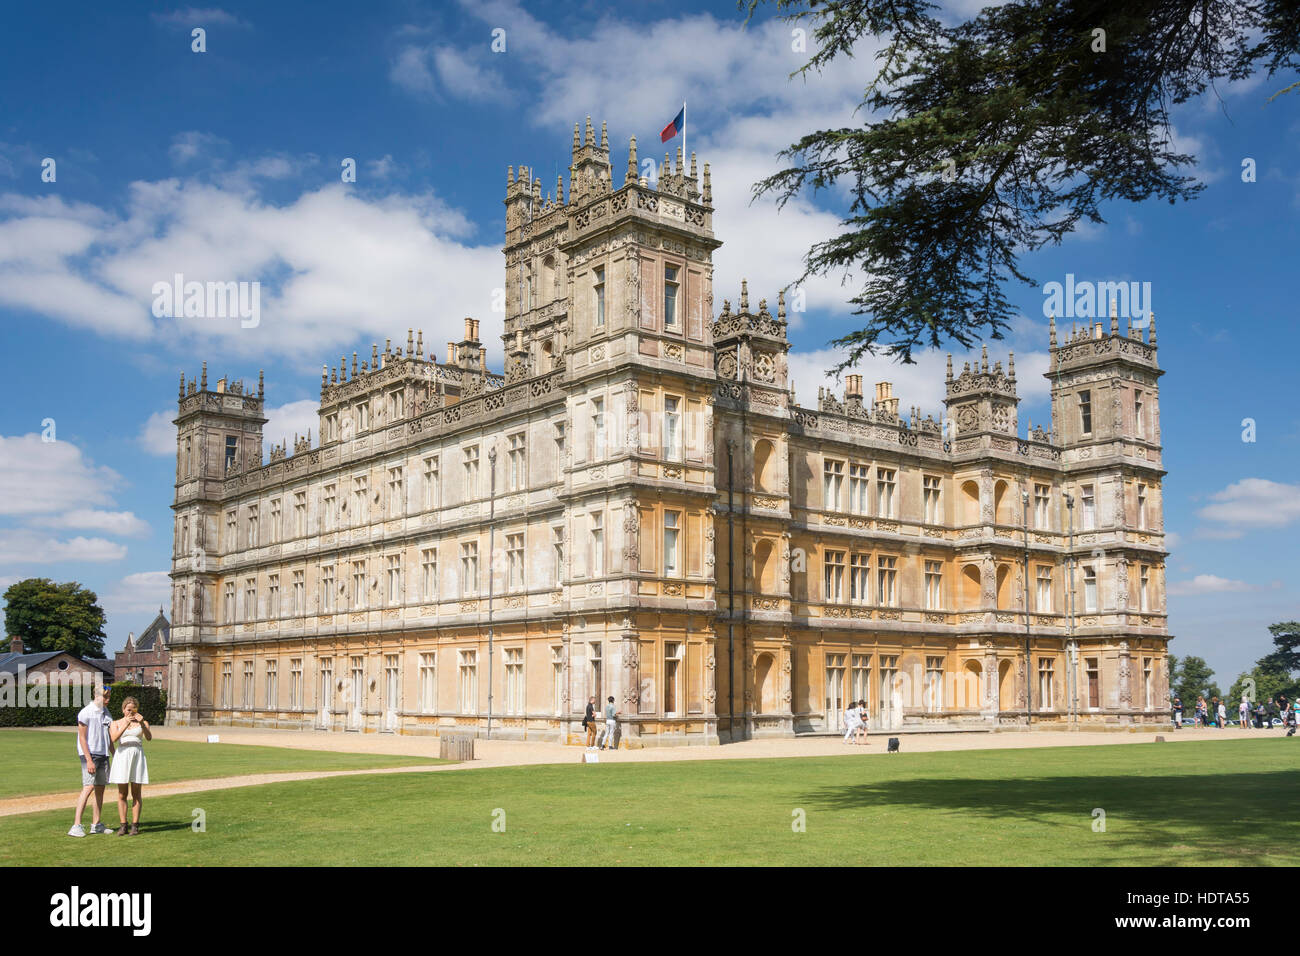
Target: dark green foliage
[55,617]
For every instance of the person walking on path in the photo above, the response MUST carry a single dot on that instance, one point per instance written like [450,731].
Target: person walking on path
[852,721]
[589,723]
[130,770]
[611,727]
[94,747]
[1222,715]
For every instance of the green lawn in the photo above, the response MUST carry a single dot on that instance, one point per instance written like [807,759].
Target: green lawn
[1185,804]
[39,761]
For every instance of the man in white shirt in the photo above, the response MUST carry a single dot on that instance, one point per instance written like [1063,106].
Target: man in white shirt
[94,747]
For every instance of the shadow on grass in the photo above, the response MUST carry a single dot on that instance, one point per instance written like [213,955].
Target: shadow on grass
[1233,813]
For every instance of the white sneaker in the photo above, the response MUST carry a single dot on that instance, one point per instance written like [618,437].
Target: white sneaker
[100,828]
[77,830]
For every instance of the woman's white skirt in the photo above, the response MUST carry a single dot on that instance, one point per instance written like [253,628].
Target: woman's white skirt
[129,765]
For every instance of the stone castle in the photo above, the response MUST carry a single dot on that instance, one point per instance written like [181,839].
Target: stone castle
[639,509]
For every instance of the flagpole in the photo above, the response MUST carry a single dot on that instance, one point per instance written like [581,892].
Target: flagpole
[686,156]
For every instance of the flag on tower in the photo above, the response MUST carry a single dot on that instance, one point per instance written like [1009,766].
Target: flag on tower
[676,126]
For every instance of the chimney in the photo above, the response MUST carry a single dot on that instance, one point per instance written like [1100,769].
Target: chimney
[469,330]
[16,645]
[853,386]
[451,353]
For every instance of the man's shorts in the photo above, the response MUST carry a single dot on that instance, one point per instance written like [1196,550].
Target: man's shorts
[97,779]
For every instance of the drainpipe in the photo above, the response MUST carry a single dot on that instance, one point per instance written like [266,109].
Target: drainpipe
[492,537]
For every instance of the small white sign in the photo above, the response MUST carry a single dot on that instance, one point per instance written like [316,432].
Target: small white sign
[591,758]
[214,738]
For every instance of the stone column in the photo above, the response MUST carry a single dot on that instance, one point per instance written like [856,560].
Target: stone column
[631,655]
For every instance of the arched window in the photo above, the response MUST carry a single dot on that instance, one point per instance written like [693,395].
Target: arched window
[765,685]
[1004,585]
[765,465]
[970,586]
[970,503]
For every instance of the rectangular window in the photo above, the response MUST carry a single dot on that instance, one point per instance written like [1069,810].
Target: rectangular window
[430,482]
[329,508]
[428,683]
[272,685]
[360,499]
[1142,507]
[833,577]
[859,579]
[517,462]
[596,544]
[228,604]
[1144,587]
[358,585]
[1139,426]
[595,660]
[672,428]
[670,296]
[470,461]
[396,496]
[885,492]
[295,683]
[1094,682]
[363,417]
[1088,518]
[597,428]
[1046,683]
[273,534]
[1044,596]
[332,426]
[1085,411]
[392,691]
[886,580]
[514,680]
[468,681]
[252,527]
[396,405]
[394,563]
[468,568]
[672,539]
[557,678]
[933,690]
[859,486]
[327,588]
[672,677]
[860,678]
[246,696]
[832,482]
[273,597]
[600,297]
[933,585]
[226,681]
[1042,514]
[232,451]
[429,574]
[250,599]
[299,513]
[326,685]
[1148,684]
[514,562]
[299,593]
[1090,589]
[933,509]
[557,549]
[232,541]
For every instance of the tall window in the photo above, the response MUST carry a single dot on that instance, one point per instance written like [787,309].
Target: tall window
[185,536]
[250,599]
[246,697]
[886,581]
[557,550]
[1139,426]
[672,538]
[600,297]
[431,482]
[396,405]
[517,462]
[859,577]
[273,532]
[833,576]
[1089,588]
[363,417]
[1044,596]
[394,563]
[228,604]
[514,680]
[557,678]
[232,449]
[933,691]
[1144,587]
[272,685]
[468,568]
[1088,499]
[1042,516]
[428,682]
[885,491]
[468,681]
[252,527]
[358,585]
[1148,684]
[597,428]
[933,585]
[299,514]
[858,489]
[332,427]
[559,446]
[392,691]
[299,593]
[514,561]
[595,661]
[672,428]
[429,574]
[596,542]
[832,482]
[226,681]
[295,683]
[930,487]
[326,699]
[1046,683]
[327,588]
[672,677]
[1142,506]
[360,499]
[329,517]
[470,461]
[1085,411]
[396,499]
[232,542]
[671,289]
[860,677]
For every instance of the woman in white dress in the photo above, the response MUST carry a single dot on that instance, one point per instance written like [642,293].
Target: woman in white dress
[129,768]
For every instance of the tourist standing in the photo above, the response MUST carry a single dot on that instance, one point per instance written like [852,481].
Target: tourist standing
[611,726]
[1178,712]
[1243,711]
[94,747]
[852,720]
[1221,715]
[589,723]
[130,770]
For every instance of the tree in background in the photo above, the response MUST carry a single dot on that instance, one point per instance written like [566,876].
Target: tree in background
[55,617]
[1190,677]
[1275,673]
[997,136]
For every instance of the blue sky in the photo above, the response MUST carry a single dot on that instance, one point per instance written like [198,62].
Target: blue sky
[225,165]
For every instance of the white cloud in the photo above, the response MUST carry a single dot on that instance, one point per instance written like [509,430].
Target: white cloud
[28,546]
[192,144]
[38,477]
[131,603]
[1251,504]
[158,434]
[120,523]
[1207,584]
[284,421]
[200,17]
